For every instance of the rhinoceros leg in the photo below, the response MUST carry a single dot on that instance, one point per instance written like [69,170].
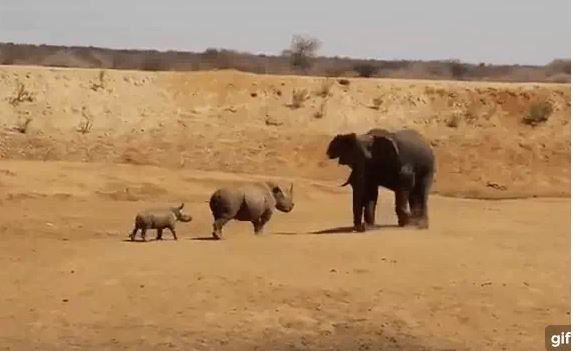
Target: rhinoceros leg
[143,230]
[257,226]
[260,223]
[218,227]
[159,234]
[133,234]
[172,230]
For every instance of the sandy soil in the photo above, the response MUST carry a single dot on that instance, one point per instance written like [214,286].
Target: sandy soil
[487,275]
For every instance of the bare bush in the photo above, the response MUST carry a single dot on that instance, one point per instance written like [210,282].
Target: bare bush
[377,103]
[365,70]
[299,96]
[325,88]
[538,113]
[21,95]
[100,84]
[457,69]
[302,50]
[85,125]
[322,111]
[23,124]
[562,66]
[453,121]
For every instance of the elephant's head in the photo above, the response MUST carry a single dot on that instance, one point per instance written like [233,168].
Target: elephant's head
[354,151]
[347,149]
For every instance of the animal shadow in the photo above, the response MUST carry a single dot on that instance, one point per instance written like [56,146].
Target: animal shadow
[146,241]
[350,229]
[204,238]
[340,230]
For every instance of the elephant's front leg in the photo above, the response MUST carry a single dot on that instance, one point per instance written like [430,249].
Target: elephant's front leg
[358,208]
[401,207]
[371,197]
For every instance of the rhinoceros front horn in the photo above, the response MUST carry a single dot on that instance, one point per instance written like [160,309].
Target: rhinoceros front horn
[291,190]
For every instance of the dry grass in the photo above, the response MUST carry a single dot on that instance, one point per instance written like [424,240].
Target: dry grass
[538,113]
[100,84]
[453,121]
[85,125]
[325,87]
[21,95]
[23,124]
[377,103]
[299,96]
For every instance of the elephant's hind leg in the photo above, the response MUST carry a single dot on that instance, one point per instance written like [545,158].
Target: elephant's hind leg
[422,194]
[401,207]
[415,202]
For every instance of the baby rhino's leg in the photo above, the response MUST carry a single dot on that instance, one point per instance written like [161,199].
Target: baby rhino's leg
[133,233]
[172,230]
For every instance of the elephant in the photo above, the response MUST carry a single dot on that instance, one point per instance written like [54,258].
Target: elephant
[401,161]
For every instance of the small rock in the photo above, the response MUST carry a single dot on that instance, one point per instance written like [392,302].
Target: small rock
[496,186]
[333,270]
[65,300]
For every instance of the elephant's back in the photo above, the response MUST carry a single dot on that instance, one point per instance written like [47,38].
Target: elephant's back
[415,149]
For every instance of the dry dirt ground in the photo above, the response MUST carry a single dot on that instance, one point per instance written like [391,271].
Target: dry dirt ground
[487,275]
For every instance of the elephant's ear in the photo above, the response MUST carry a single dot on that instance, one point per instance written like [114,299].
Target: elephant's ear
[385,146]
[341,145]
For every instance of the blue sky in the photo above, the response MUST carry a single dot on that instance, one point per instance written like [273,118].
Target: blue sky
[492,31]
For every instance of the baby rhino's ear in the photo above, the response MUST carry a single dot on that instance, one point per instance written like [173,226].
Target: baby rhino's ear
[277,190]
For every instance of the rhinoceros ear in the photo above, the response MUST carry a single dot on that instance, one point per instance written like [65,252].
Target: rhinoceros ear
[181,206]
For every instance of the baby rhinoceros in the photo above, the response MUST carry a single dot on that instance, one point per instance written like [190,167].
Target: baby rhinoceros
[159,218]
[254,203]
